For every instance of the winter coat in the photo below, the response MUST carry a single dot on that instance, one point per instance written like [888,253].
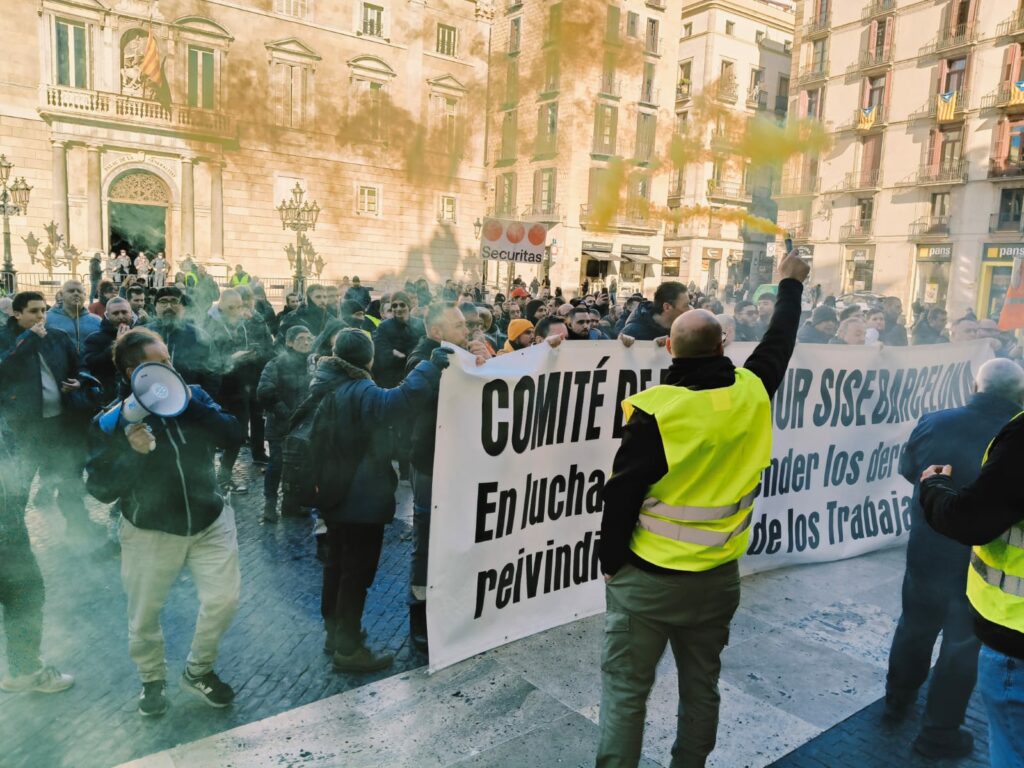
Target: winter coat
[641,325]
[392,335]
[358,293]
[78,328]
[424,427]
[98,358]
[173,488]
[810,335]
[284,384]
[360,439]
[190,353]
[314,318]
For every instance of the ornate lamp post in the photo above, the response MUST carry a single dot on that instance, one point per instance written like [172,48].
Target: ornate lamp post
[14,201]
[299,216]
[477,227]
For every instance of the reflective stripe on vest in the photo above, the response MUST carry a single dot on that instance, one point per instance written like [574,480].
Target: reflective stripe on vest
[693,535]
[1014,537]
[684,514]
[1011,585]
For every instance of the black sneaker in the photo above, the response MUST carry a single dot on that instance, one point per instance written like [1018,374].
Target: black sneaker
[152,701]
[944,743]
[362,660]
[209,688]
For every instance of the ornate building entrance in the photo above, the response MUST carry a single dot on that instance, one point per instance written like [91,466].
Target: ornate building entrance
[139,204]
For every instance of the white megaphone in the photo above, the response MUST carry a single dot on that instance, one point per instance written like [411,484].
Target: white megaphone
[157,390]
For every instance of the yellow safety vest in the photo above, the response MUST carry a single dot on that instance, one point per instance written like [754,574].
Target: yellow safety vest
[717,442]
[191,279]
[995,580]
[236,280]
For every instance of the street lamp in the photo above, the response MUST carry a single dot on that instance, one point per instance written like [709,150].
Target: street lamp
[477,229]
[14,202]
[298,216]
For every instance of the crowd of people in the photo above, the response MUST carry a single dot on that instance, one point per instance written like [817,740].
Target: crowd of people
[361,375]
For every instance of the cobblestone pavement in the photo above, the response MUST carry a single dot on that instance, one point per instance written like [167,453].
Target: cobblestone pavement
[863,741]
[272,655]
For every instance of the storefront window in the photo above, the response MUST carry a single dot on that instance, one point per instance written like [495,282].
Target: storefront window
[932,282]
[860,268]
[998,286]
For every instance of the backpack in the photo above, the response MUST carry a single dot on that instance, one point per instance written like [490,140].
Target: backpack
[307,474]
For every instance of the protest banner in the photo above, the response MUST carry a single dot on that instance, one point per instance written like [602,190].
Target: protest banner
[528,440]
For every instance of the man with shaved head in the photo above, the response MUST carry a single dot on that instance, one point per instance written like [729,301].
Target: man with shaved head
[676,519]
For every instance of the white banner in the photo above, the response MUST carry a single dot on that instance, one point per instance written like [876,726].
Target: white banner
[528,440]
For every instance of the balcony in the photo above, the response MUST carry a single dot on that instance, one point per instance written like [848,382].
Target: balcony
[683,92]
[728,192]
[797,186]
[812,74]
[1006,168]
[861,181]
[757,98]
[800,232]
[856,231]
[878,8]
[1008,97]
[929,227]
[930,110]
[649,96]
[545,213]
[725,138]
[658,5]
[949,172]
[630,220]
[727,91]
[1005,223]
[959,36]
[861,122]
[610,86]
[1013,26]
[63,102]
[675,192]
[818,26]
[870,61]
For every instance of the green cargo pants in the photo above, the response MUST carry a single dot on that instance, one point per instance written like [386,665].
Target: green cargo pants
[645,611]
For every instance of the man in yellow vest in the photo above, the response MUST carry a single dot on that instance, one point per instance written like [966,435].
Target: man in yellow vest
[677,513]
[988,514]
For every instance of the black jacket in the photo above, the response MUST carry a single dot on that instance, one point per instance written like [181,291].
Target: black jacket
[424,428]
[810,335]
[314,318]
[360,440]
[284,384]
[747,332]
[21,391]
[98,359]
[641,325]
[173,488]
[392,335]
[925,334]
[190,352]
[894,335]
[983,511]
[640,461]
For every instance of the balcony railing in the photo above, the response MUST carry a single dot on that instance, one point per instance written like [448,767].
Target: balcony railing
[732,191]
[631,219]
[799,232]
[725,137]
[546,213]
[956,37]
[875,59]
[862,180]
[683,91]
[1005,222]
[116,108]
[1007,96]
[950,172]
[1005,167]
[1012,26]
[757,97]
[863,122]
[819,25]
[878,8]
[856,230]
[675,192]
[727,90]
[610,86]
[930,110]
[813,73]
[930,226]
[650,96]
[797,186]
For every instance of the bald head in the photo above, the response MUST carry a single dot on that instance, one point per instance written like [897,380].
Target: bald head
[1002,378]
[696,333]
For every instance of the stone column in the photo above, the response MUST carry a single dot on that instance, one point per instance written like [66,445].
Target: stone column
[93,198]
[188,209]
[60,188]
[216,209]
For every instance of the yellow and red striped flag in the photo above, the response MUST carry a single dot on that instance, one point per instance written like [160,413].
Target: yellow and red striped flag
[153,70]
[946,107]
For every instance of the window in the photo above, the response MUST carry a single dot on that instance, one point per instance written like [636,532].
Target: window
[876,92]
[782,97]
[638,193]
[606,120]
[645,128]
[512,81]
[951,147]
[819,53]
[880,31]
[683,84]
[1011,203]
[551,71]
[368,200]
[865,211]
[608,73]
[956,71]
[554,32]
[940,204]
[611,24]
[297,8]
[688,30]
[200,78]
[515,34]
[509,134]
[598,185]
[814,104]
[647,85]
[505,195]
[547,128]
[730,28]
[71,55]
[446,209]
[651,38]
[632,24]
[446,39]
[295,83]
[544,190]
[373,20]
[448,108]
[1015,155]
[370,102]
[756,80]
[728,72]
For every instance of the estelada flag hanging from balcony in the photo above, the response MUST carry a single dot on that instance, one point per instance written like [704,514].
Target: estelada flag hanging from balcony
[866,118]
[946,110]
[1011,316]
[1017,92]
[153,70]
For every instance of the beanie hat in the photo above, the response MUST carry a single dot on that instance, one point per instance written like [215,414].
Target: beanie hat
[354,346]
[823,314]
[294,332]
[518,327]
[169,290]
[349,307]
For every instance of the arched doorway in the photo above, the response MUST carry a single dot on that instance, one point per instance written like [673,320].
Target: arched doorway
[138,207]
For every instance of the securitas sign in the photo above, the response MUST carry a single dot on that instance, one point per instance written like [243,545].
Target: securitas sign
[502,240]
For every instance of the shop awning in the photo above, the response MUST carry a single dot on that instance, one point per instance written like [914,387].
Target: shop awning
[638,259]
[600,256]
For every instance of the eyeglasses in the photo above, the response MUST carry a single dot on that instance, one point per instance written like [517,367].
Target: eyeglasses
[168,301]
[398,305]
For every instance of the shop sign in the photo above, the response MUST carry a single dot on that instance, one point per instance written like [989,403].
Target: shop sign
[1003,252]
[935,252]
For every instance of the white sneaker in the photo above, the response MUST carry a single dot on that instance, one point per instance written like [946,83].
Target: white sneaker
[46,680]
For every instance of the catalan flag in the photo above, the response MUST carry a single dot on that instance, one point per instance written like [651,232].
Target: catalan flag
[866,118]
[946,109]
[1017,92]
[153,70]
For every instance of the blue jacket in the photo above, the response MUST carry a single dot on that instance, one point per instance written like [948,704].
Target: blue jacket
[959,437]
[77,328]
[359,436]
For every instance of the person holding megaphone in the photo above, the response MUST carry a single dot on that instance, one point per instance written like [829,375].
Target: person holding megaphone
[152,450]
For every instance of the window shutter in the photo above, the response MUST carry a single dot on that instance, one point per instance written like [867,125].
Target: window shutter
[614,131]
[865,92]
[1001,141]
[941,82]
[890,23]
[1006,72]
[934,148]
[888,91]
[872,38]
[802,112]
[1015,67]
